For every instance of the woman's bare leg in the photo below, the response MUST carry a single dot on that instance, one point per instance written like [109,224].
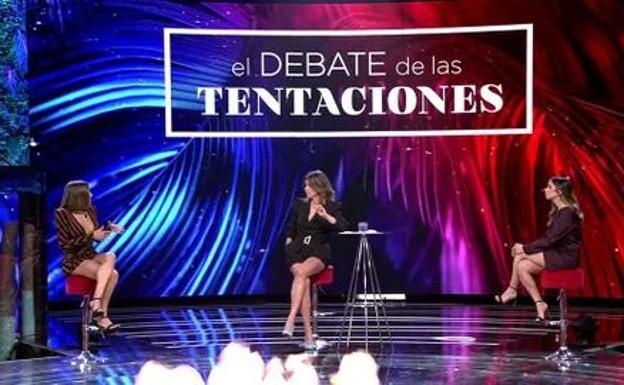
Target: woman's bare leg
[537,258]
[301,272]
[108,258]
[101,273]
[511,291]
[306,313]
[527,267]
[294,288]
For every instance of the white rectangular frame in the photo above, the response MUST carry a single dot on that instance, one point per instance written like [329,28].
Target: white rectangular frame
[528,28]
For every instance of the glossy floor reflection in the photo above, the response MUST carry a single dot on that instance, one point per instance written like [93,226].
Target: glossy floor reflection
[431,344]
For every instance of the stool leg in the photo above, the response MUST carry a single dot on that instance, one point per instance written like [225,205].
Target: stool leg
[85,360]
[84,323]
[563,309]
[563,356]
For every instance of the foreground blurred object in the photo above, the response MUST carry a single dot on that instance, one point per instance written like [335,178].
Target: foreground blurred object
[356,368]
[300,371]
[154,373]
[237,365]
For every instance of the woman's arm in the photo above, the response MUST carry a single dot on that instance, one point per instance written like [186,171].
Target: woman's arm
[563,223]
[333,216]
[291,229]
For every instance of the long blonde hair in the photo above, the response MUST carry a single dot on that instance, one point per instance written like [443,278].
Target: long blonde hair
[564,185]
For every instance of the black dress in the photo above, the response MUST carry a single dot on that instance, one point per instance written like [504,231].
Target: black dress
[311,238]
[561,243]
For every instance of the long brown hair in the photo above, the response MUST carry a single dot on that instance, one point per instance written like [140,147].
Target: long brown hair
[76,196]
[321,184]
[563,184]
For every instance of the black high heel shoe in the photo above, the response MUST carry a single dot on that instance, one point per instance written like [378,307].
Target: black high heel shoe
[97,313]
[110,329]
[499,297]
[542,319]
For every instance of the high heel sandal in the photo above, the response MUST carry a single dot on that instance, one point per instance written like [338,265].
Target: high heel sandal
[110,329]
[288,332]
[499,297]
[542,320]
[309,347]
[97,313]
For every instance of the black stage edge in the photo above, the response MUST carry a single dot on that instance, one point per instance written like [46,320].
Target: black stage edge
[26,350]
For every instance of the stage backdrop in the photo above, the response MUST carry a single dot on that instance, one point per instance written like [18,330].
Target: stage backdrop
[194,127]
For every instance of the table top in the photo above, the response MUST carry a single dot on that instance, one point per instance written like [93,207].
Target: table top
[367,232]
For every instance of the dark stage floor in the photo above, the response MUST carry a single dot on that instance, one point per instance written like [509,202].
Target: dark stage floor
[432,344]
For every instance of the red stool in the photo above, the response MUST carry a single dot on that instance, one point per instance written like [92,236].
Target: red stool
[83,286]
[569,279]
[324,278]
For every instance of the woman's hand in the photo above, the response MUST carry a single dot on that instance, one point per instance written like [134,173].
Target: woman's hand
[100,234]
[320,210]
[516,249]
[115,228]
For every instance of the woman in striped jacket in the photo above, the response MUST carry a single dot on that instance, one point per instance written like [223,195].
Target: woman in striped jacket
[77,228]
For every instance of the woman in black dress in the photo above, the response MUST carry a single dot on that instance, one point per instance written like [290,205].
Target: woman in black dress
[313,220]
[557,249]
